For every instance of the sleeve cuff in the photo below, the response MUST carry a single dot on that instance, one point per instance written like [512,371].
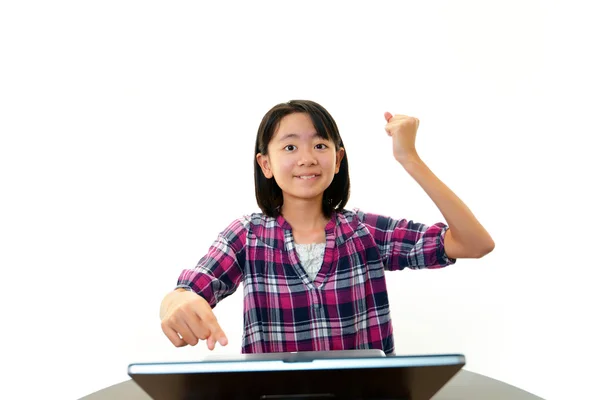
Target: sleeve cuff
[443,258]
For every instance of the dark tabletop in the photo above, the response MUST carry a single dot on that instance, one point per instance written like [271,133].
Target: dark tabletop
[465,385]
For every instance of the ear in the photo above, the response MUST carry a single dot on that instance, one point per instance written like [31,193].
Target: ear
[263,162]
[339,155]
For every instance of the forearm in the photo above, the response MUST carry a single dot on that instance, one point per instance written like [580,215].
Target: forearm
[470,236]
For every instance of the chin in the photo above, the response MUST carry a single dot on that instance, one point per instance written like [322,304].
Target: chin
[316,196]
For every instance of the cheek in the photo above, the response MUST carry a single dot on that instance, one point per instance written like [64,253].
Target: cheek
[328,162]
[286,164]
[282,165]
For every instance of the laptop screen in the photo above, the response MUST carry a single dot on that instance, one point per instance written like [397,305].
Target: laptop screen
[310,375]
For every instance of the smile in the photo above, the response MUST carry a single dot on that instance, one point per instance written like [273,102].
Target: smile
[307,177]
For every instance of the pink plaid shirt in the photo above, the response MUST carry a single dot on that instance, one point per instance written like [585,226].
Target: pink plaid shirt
[345,307]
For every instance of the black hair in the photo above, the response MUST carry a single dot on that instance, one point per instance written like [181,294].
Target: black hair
[268,194]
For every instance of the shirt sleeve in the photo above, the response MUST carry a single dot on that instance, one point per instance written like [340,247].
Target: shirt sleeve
[220,271]
[405,243]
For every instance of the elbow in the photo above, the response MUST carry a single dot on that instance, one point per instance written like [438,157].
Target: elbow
[486,249]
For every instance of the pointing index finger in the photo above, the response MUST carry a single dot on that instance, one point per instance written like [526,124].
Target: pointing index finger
[216,333]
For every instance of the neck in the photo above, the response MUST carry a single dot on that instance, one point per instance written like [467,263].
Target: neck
[303,214]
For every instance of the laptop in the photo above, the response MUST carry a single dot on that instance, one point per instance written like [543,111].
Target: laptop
[314,375]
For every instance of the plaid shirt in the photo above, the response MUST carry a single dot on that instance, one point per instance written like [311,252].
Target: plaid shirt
[345,307]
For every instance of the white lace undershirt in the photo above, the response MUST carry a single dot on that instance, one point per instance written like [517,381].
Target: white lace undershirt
[311,257]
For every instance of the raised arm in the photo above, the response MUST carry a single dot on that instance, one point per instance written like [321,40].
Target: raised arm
[466,237]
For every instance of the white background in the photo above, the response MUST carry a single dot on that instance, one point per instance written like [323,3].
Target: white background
[127,132]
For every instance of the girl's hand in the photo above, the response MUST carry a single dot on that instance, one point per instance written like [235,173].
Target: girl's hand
[403,130]
[187,318]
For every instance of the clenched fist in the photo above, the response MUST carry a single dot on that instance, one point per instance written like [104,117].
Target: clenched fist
[403,130]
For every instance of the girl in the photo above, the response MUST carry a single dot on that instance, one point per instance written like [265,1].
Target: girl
[312,271]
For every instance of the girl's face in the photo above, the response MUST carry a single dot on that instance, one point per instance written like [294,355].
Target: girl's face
[302,163]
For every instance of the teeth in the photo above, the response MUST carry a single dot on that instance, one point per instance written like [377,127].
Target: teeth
[307,176]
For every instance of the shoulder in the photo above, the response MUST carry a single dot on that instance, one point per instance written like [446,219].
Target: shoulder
[348,218]
[357,217]
[257,226]
[350,223]
[353,215]
[249,222]
[237,232]
[381,226]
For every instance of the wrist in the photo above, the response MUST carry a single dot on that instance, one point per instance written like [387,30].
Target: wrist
[409,160]
[165,305]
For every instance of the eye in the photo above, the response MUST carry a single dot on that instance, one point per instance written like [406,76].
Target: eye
[290,147]
[321,146]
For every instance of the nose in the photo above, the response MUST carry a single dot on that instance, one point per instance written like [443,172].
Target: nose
[307,158]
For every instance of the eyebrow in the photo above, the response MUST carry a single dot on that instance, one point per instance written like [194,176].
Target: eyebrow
[296,136]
